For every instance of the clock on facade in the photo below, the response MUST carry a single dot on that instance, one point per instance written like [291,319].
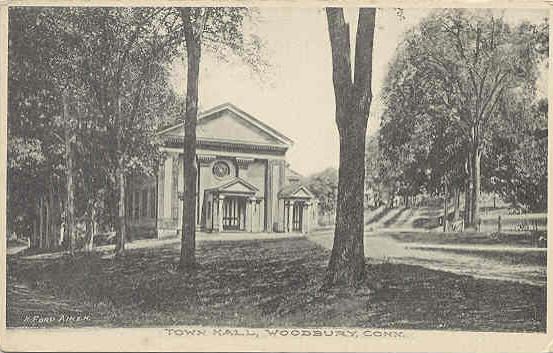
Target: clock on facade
[221,169]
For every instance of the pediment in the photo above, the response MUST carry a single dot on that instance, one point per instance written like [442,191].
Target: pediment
[302,193]
[237,185]
[294,191]
[229,124]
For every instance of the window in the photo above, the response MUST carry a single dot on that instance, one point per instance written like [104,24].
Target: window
[221,169]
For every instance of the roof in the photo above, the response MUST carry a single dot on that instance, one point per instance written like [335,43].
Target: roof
[271,135]
[292,174]
[295,191]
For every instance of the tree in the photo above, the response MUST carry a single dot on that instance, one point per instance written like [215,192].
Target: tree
[353,101]
[516,161]
[479,59]
[324,186]
[220,30]
[106,69]
[123,61]
[41,77]
[455,72]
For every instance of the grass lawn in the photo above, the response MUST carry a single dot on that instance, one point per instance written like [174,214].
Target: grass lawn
[261,283]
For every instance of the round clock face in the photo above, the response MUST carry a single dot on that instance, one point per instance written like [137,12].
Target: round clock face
[221,169]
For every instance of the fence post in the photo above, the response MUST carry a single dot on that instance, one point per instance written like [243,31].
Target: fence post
[499,224]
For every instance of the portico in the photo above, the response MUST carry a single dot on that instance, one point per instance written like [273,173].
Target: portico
[233,206]
[298,204]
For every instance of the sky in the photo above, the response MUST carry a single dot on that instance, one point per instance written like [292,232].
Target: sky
[296,95]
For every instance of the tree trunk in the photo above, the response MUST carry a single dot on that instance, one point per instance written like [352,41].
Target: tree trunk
[475,203]
[120,177]
[446,207]
[468,193]
[36,230]
[121,229]
[456,201]
[47,222]
[90,213]
[353,100]
[193,32]
[41,223]
[347,260]
[53,216]
[69,205]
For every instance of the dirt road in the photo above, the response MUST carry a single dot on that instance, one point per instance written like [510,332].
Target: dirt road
[486,261]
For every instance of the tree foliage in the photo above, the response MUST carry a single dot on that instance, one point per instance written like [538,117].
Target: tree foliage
[457,79]
[112,63]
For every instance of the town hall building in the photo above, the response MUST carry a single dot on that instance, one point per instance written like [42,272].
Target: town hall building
[244,183]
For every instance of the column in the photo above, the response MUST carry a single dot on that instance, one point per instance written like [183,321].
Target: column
[290,226]
[306,217]
[179,165]
[249,215]
[167,187]
[259,209]
[175,191]
[220,200]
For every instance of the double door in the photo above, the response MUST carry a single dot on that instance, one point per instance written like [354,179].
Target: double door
[234,213]
[297,217]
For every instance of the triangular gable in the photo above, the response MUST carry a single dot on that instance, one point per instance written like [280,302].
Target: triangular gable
[237,185]
[303,193]
[228,123]
[295,191]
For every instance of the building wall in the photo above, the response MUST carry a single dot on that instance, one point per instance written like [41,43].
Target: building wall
[208,180]
[267,173]
[154,203]
[275,178]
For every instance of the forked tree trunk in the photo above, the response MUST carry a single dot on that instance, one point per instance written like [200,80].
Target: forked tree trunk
[347,261]
[69,206]
[353,100]
[193,29]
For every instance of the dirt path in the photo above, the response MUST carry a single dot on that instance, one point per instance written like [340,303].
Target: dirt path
[473,260]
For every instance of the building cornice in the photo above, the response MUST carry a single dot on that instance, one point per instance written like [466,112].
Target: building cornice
[230,146]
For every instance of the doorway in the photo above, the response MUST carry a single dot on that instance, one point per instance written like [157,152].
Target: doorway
[297,217]
[234,213]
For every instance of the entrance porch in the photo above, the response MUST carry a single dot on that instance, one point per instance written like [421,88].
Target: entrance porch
[299,209]
[233,207]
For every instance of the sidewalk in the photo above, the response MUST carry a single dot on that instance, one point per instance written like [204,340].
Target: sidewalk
[155,243]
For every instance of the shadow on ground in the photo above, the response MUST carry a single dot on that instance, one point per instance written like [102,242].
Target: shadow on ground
[261,283]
